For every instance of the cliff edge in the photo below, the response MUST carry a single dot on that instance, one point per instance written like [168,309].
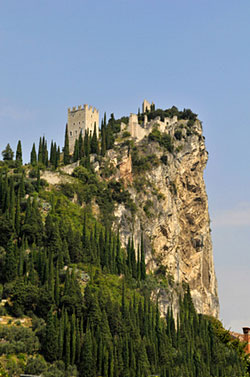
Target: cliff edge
[163,173]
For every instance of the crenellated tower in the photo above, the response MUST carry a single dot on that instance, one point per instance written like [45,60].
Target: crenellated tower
[81,119]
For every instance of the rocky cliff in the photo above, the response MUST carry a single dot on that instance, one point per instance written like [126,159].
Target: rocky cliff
[165,180]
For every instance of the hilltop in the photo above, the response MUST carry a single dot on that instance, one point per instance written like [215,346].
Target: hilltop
[106,254]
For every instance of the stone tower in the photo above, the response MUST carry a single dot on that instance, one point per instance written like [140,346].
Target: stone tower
[146,106]
[81,119]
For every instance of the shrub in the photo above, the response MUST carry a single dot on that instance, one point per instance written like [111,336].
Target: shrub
[178,134]
[164,159]
[163,139]
[35,365]
[148,205]
[68,190]
[126,134]
[142,163]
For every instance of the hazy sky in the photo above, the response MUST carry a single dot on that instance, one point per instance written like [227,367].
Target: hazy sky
[114,53]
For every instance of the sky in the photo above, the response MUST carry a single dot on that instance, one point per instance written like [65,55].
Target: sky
[114,53]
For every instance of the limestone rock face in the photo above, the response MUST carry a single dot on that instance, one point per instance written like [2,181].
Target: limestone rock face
[172,213]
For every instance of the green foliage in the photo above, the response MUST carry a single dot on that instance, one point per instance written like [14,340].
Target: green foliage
[178,134]
[148,205]
[8,153]
[90,298]
[126,134]
[33,156]
[18,339]
[66,156]
[170,113]
[19,158]
[163,139]
[142,163]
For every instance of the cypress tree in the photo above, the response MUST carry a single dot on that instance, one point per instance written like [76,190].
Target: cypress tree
[51,341]
[33,157]
[94,142]
[103,140]
[58,157]
[66,156]
[10,269]
[143,266]
[138,263]
[67,344]
[86,143]
[57,288]
[86,367]
[22,185]
[61,337]
[12,202]
[40,151]
[19,157]
[38,180]
[73,339]
[52,157]
[76,151]
[80,146]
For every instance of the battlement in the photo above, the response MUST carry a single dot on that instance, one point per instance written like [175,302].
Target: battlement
[84,108]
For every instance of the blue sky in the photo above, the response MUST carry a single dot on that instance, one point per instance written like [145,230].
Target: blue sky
[114,53]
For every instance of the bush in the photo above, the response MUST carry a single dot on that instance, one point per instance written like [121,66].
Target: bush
[126,134]
[148,205]
[163,139]
[33,173]
[84,175]
[68,190]
[142,163]
[164,159]
[35,365]
[18,339]
[178,134]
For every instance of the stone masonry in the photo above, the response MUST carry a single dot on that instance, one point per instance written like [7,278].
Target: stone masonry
[81,119]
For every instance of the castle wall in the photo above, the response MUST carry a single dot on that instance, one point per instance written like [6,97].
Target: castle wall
[146,106]
[135,129]
[81,119]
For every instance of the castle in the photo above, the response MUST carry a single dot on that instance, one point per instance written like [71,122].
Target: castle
[139,130]
[81,119]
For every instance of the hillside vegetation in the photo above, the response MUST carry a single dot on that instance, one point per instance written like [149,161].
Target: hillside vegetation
[85,299]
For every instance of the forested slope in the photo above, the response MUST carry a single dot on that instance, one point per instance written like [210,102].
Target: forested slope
[78,302]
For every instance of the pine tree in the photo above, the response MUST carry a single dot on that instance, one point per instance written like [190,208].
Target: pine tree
[8,153]
[66,156]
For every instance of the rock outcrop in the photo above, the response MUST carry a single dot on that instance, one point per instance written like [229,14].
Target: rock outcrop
[172,213]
